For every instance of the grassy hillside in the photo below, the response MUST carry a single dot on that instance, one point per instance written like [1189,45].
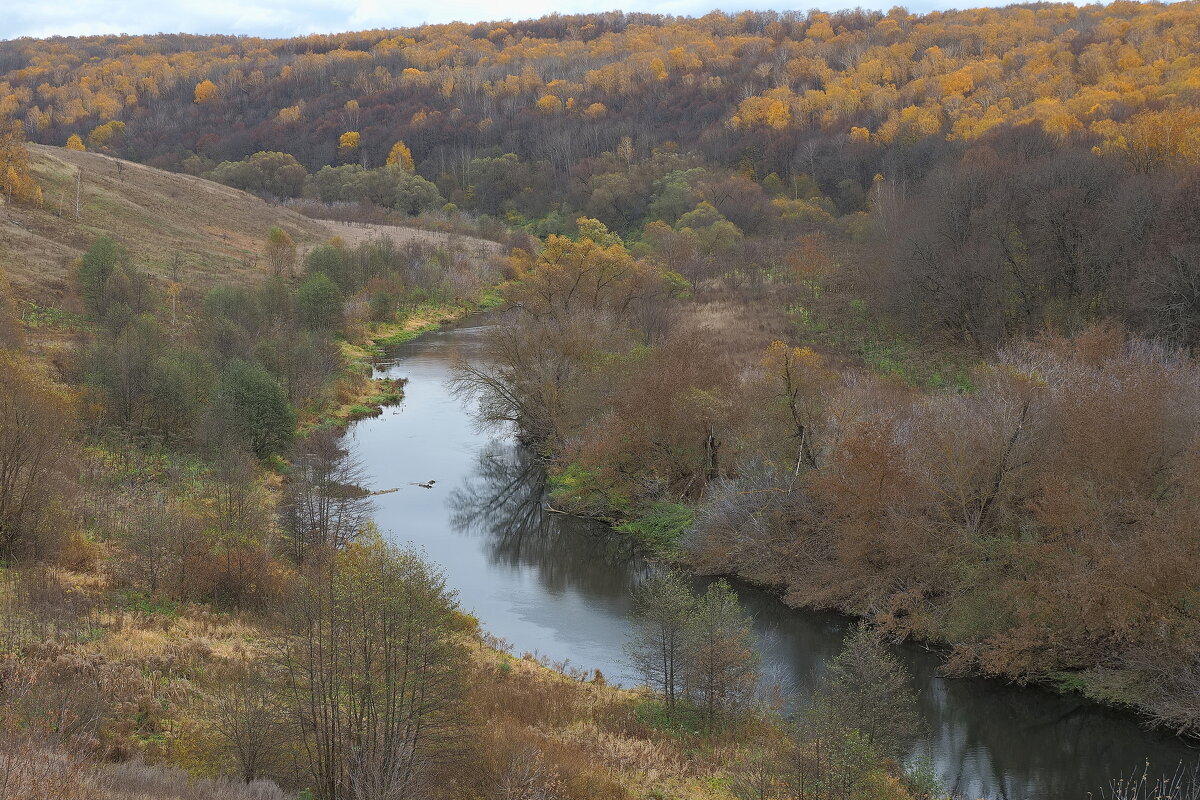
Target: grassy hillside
[216,232]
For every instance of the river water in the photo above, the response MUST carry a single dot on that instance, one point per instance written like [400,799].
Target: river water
[560,587]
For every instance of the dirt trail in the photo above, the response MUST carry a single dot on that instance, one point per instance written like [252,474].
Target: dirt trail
[354,233]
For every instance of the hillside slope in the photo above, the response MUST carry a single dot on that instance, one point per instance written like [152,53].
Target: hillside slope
[215,232]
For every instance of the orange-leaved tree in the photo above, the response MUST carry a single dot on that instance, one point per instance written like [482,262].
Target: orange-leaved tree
[16,182]
[206,91]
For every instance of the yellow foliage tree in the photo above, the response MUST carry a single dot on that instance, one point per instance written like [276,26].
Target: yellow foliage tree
[74,142]
[821,30]
[206,91]
[549,104]
[401,156]
[349,140]
[16,183]
[1154,139]
[102,135]
[762,112]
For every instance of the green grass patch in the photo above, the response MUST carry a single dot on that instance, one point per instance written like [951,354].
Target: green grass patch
[854,330]
[388,398]
[580,491]
[661,527]
[140,602]
[568,480]
[406,336]
[1111,687]
[323,417]
[38,316]
[490,299]
[1069,682]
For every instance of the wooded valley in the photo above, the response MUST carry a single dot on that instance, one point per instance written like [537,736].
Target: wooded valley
[891,314]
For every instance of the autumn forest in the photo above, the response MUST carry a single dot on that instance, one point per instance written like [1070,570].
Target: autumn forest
[893,316]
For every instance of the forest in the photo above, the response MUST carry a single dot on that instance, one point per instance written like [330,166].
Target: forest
[893,314]
[1054,142]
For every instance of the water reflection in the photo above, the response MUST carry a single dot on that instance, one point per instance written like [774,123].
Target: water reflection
[562,586]
[504,501]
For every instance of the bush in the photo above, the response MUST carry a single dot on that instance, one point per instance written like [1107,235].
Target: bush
[319,303]
[390,187]
[266,173]
[661,528]
[251,407]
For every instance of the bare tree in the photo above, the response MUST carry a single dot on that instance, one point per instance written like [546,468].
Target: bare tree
[280,253]
[150,539]
[374,673]
[248,718]
[36,420]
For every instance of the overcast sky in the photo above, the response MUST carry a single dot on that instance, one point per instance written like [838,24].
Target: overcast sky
[278,18]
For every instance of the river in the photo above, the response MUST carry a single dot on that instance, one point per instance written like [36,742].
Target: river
[560,587]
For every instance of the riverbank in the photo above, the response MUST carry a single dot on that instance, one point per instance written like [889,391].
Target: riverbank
[996,517]
[359,394]
[659,534]
[369,341]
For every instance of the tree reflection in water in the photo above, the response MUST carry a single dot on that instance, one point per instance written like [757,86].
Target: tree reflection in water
[504,501]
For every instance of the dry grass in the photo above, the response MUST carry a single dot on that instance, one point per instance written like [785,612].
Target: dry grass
[33,771]
[156,637]
[538,732]
[173,226]
[588,736]
[217,231]
[356,233]
[746,322]
[137,781]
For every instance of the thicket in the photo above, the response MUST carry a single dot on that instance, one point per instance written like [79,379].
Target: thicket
[1038,518]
